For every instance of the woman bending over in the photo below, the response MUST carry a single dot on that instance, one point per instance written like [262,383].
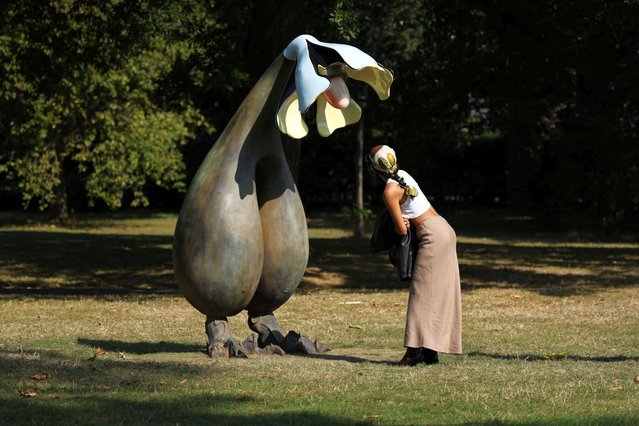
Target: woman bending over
[433,318]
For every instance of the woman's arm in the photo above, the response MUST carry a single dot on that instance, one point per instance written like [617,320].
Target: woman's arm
[393,194]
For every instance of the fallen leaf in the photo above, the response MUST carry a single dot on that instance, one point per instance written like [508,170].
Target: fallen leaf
[162,382]
[554,355]
[615,388]
[98,352]
[184,381]
[102,386]
[121,355]
[29,393]
[636,379]
[359,327]
[40,377]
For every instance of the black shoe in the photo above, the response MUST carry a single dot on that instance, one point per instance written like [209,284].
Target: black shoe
[412,357]
[429,356]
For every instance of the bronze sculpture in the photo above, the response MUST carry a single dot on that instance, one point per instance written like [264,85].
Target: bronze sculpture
[241,240]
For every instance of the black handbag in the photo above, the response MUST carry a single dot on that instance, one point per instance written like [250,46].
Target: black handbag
[384,236]
[402,250]
[403,255]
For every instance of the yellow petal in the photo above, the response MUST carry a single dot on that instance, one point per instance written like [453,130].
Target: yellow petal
[379,78]
[289,118]
[330,119]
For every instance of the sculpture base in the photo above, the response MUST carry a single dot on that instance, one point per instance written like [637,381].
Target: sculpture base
[220,340]
[271,339]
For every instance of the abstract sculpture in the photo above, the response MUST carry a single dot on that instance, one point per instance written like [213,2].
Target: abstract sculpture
[241,240]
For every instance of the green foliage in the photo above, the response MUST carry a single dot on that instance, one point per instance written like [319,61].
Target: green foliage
[353,213]
[85,93]
[345,17]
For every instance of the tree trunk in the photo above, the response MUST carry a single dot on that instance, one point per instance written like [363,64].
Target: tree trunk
[359,180]
[60,203]
[522,164]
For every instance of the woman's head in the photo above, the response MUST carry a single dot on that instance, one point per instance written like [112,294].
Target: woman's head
[382,159]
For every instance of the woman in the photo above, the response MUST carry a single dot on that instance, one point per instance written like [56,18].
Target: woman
[433,320]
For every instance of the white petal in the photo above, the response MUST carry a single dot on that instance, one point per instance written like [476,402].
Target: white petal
[330,119]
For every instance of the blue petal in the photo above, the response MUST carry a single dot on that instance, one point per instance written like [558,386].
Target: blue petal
[308,83]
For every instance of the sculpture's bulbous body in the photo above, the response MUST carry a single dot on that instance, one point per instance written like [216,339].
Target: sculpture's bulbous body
[241,239]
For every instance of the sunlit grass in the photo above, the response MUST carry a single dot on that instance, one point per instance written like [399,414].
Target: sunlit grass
[551,327]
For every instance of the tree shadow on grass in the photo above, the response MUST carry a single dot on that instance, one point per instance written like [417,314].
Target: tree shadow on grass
[551,268]
[119,391]
[76,263]
[210,409]
[82,263]
[347,263]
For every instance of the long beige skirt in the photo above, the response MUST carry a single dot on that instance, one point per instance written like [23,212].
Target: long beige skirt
[434,314]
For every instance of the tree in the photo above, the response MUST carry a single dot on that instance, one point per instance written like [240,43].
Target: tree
[564,97]
[86,98]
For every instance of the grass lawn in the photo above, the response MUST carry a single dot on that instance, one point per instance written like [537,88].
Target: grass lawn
[94,331]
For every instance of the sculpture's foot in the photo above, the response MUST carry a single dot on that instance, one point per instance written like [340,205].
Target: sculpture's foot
[270,333]
[220,340]
[252,347]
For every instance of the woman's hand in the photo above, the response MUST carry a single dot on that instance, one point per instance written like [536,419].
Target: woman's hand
[406,222]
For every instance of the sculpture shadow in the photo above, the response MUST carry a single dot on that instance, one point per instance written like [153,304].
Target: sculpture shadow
[560,357]
[258,158]
[346,358]
[141,348]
